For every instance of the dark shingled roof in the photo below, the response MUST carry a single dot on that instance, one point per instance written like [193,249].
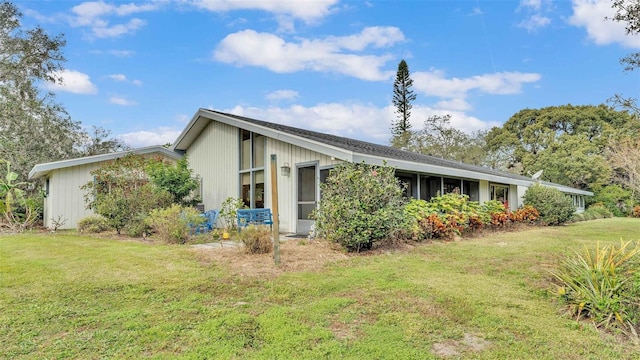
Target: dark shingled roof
[367,148]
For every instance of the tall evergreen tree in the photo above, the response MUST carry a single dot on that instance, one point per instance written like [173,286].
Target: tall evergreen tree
[402,98]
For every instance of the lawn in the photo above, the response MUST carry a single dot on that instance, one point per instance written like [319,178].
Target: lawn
[70,296]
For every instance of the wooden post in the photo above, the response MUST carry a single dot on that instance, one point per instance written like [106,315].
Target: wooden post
[274,209]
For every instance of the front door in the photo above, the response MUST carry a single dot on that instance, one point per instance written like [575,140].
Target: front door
[307,196]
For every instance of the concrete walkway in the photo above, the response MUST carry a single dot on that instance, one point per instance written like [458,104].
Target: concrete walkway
[217,244]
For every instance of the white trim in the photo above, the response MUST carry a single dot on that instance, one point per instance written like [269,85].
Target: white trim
[43,169]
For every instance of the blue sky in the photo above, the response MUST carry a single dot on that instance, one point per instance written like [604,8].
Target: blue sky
[142,69]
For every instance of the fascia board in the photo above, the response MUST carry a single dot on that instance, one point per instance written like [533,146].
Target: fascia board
[40,170]
[312,145]
[459,173]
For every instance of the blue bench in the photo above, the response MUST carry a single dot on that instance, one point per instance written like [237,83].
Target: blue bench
[248,217]
[211,218]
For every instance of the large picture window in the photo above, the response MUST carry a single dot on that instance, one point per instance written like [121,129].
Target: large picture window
[501,193]
[252,152]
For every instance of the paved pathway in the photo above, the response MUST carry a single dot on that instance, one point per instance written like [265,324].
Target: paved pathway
[217,244]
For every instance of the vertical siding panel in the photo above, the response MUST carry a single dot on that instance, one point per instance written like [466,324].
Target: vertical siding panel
[214,155]
[485,195]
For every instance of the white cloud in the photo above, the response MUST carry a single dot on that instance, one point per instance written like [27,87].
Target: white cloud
[307,11]
[532,4]
[434,83]
[359,121]
[160,136]
[73,81]
[591,15]
[123,78]
[454,104]
[116,53]
[118,77]
[94,15]
[534,23]
[282,95]
[250,48]
[118,100]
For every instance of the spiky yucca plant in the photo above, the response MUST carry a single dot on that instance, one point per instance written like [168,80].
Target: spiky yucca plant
[602,284]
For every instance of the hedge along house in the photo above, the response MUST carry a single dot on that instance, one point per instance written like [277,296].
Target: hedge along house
[231,155]
[64,198]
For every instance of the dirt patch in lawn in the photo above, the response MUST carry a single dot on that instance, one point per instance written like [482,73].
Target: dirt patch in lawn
[453,348]
[295,256]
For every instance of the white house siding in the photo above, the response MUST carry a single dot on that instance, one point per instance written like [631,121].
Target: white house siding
[514,199]
[214,156]
[65,201]
[485,194]
[521,191]
[287,185]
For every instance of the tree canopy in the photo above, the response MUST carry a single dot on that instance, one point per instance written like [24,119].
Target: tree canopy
[34,128]
[402,98]
[567,142]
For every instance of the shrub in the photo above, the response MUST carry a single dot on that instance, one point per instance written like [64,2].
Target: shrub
[121,191]
[139,226]
[615,198]
[527,214]
[597,211]
[577,217]
[555,208]
[177,179]
[360,204]
[93,224]
[443,217]
[173,224]
[256,239]
[600,284]
[228,212]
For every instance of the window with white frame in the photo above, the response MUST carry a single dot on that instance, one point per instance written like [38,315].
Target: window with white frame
[252,160]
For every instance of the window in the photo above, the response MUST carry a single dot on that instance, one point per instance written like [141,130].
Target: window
[409,182]
[430,187]
[252,153]
[501,193]
[451,186]
[472,189]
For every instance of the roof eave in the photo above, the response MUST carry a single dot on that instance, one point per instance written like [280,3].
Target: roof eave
[201,118]
[40,170]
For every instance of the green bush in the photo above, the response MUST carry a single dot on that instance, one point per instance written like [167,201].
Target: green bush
[121,191]
[256,239]
[443,216]
[176,179]
[619,201]
[172,225]
[601,284]
[139,226]
[228,211]
[555,208]
[93,224]
[360,204]
[597,211]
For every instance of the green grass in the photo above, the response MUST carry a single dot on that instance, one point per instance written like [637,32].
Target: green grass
[69,296]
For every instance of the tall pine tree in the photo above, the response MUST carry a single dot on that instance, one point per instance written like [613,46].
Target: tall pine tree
[402,98]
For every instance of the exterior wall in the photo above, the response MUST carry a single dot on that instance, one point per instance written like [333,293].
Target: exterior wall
[485,194]
[287,185]
[514,198]
[521,191]
[214,156]
[65,201]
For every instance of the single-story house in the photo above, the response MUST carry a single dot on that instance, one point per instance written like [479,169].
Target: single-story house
[64,200]
[230,155]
